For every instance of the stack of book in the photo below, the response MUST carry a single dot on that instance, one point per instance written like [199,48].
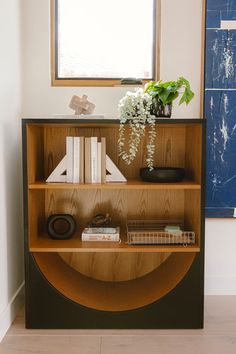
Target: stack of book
[86,160]
[111,234]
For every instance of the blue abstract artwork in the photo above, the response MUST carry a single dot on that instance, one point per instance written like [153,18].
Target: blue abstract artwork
[220,109]
[220,59]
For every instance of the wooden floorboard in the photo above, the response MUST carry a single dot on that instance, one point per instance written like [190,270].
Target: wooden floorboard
[218,337]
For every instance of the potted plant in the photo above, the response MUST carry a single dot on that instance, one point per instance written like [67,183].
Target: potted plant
[141,108]
[164,93]
[135,108]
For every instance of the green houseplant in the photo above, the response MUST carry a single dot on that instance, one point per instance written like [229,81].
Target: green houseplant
[141,108]
[164,93]
[135,109]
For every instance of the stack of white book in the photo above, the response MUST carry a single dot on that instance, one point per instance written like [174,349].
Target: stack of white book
[86,160]
[111,234]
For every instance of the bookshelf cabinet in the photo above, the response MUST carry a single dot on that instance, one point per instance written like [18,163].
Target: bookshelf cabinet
[75,284]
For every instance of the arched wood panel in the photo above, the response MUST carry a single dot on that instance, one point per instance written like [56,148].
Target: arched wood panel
[114,266]
[114,296]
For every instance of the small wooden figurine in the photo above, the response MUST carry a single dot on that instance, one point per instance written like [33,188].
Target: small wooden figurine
[81,105]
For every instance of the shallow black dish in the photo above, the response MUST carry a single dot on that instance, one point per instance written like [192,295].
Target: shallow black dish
[162,174]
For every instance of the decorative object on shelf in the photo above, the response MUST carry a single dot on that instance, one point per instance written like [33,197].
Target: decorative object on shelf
[81,105]
[75,159]
[113,173]
[159,232]
[61,226]
[162,174]
[58,175]
[101,235]
[135,108]
[100,228]
[164,93]
[173,229]
[141,108]
[86,162]
[100,220]
[131,81]
[71,168]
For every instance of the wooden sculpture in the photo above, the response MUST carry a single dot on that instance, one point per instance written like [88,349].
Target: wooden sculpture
[81,105]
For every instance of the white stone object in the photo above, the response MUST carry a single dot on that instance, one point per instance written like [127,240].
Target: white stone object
[114,173]
[81,105]
[58,174]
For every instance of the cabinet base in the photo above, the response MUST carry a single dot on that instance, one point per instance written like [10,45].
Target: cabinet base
[181,308]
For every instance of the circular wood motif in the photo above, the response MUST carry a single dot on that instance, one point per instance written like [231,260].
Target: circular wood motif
[114,296]
[114,266]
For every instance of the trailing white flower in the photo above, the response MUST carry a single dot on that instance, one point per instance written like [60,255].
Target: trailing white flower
[134,108]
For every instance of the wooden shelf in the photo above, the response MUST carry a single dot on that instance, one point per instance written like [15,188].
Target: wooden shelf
[46,244]
[132,184]
[84,271]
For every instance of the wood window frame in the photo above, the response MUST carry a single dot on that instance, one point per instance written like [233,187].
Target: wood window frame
[101,82]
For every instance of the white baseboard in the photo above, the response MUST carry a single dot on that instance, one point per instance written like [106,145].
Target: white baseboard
[8,315]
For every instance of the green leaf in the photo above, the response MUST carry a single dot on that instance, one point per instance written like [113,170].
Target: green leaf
[168,91]
[187,96]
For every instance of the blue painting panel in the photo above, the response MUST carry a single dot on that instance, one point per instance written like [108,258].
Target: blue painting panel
[223,5]
[213,19]
[228,16]
[220,109]
[220,59]
[218,212]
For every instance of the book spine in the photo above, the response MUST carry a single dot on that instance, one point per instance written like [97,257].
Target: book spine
[103,160]
[81,170]
[87,163]
[76,160]
[101,230]
[99,165]
[101,237]
[94,160]
[70,158]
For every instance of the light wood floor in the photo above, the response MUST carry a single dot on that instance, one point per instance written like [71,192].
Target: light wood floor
[218,337]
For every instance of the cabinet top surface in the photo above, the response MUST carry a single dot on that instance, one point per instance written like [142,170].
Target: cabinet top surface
[86,121]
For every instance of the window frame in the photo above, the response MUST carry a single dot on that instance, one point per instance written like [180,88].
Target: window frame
[55,81]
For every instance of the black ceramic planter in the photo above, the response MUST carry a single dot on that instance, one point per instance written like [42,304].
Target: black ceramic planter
[159,110]
[162,174]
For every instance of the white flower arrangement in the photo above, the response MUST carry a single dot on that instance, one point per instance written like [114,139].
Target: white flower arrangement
[135,108]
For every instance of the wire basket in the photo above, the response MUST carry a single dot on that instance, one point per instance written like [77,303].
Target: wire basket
[152,232]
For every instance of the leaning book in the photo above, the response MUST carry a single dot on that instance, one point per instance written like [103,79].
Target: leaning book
[87,235]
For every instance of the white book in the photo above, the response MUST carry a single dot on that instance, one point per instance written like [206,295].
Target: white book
[94,159]
[101,230]
[113,237]
[103,159]
[99,165]
[87,160]
[70,158]
[76,160]
[82,153]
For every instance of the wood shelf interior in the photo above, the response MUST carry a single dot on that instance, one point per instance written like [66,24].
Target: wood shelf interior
[176,146]
[84,204]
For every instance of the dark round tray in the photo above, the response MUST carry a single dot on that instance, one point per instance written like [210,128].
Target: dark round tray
[162,174]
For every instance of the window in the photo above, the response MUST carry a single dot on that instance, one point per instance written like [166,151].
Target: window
[100,42]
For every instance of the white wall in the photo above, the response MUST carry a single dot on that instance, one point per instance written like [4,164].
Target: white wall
[180,55]
[11,235]
[42,99]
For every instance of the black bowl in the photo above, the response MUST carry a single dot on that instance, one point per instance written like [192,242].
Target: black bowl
[162,174]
